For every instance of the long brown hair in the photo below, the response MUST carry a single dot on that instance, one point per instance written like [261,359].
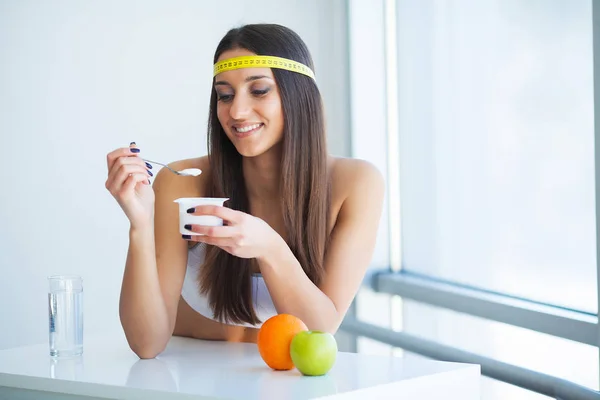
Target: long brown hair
[304,187]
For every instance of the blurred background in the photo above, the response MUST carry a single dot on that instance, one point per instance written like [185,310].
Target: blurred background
[479,113]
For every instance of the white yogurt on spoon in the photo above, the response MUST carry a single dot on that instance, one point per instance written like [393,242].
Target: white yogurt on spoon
[190,172]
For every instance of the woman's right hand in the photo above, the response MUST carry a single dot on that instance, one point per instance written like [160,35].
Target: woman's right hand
[128,182]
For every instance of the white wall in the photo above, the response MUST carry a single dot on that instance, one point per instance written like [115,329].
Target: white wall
[79,78]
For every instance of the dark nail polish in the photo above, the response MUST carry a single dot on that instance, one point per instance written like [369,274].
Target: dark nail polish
[149,182]
[149,165]
[188,227]
[134,150]
[191,210]
[150,173]
[187,237]
[132,143]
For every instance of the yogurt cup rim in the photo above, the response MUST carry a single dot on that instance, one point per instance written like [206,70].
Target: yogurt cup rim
[200,199]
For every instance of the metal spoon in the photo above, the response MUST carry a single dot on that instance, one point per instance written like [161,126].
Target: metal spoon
[185,172]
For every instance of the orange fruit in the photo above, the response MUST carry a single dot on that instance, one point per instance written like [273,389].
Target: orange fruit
[274,338]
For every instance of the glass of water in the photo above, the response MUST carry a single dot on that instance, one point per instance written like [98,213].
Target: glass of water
[65,315]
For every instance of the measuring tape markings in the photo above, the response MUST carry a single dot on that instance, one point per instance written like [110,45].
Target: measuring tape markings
[262,61]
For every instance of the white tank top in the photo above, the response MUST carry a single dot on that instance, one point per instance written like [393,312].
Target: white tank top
[263,304]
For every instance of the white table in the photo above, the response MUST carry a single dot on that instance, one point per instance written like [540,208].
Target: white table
[198,369]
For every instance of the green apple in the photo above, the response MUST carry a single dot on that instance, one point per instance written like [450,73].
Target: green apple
[313,352]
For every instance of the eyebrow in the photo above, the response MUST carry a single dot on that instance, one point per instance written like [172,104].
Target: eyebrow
[248,79]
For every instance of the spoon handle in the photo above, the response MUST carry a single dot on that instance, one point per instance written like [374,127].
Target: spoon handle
[153,162]
[166,166]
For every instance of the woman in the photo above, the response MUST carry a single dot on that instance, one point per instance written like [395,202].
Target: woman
[300,225]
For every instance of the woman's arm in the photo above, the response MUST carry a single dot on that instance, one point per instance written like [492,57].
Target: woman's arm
[154,273]
[349,253]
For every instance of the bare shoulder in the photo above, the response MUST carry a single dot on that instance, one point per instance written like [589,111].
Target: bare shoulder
[351,177]
[169,186]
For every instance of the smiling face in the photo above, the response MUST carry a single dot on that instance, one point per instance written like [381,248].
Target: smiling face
[249,107]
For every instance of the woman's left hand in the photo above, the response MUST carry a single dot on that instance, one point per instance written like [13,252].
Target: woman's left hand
[242,235]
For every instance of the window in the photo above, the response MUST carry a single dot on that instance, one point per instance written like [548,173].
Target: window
[497,146]
[492,132]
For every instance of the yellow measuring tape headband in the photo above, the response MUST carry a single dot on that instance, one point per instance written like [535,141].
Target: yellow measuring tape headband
[261,62]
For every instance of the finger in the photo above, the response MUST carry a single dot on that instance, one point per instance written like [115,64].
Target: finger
[191,238]
[213,231]
[219,242]
[218,211]
[123,173]
[111,157]
[132,180]
[123,161]
[118,175]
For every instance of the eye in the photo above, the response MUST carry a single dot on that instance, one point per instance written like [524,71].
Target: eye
[261,92]
[225,98]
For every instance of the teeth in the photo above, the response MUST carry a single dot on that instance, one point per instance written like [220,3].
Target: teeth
[247,128]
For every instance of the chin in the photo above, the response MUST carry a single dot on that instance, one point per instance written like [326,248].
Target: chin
[250,153]
[258,149]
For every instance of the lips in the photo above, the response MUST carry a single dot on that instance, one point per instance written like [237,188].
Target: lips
[247,130]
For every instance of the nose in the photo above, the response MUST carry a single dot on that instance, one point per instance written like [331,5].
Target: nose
[240,108]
